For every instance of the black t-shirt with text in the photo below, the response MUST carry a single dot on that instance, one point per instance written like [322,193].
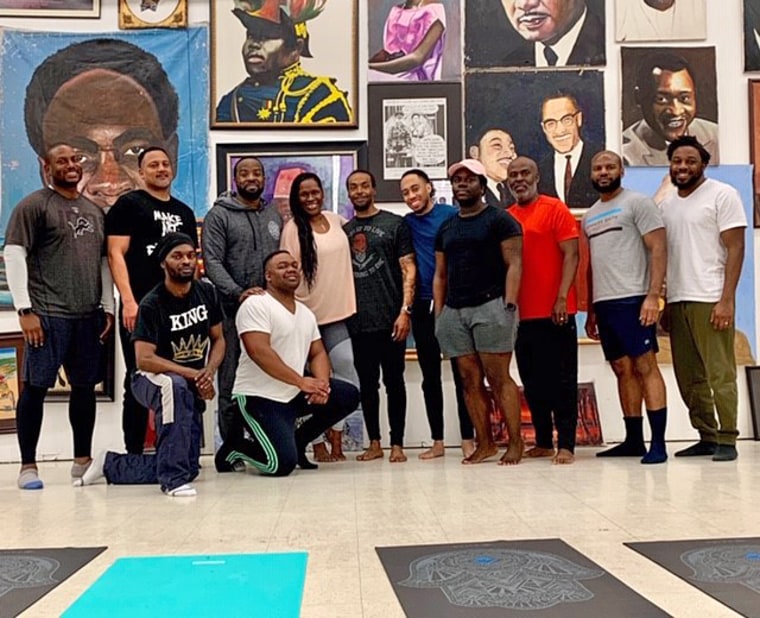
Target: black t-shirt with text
[179,327]
[475,266]
[146,219]
[377,243]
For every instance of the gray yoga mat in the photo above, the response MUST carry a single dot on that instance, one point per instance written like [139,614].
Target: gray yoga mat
[535,578]
[26,575]
[726,569]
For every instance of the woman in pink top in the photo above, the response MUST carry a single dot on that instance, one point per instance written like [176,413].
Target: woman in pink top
[413,42]
[316,238]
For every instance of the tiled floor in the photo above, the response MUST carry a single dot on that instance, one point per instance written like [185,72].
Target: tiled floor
[341,512]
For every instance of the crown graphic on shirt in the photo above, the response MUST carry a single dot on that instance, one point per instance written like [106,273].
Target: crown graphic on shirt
[192,349]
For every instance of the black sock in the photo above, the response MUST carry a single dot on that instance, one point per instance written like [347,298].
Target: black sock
[657,421]
[634,430]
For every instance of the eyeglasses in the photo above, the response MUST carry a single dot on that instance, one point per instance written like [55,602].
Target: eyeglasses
[565,121]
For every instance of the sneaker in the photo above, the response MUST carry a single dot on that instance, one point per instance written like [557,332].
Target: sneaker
[183,491]
[94,471]
[29,479]
[698,449]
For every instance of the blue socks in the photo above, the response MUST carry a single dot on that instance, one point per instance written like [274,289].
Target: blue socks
[657,452]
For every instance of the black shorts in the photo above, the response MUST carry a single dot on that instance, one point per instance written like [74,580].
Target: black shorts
[620,329]
[71,342]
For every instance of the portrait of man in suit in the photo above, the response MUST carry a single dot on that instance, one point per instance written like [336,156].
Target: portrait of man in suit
[565,172]
[752,35]
[667,95]
[535,33]
[496,150]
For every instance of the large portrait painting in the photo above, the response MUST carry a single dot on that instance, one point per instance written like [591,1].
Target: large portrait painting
[332,162]
[417,41]
[50,8]
[660,20]
[109,97]
[751,35]
[514,33]
[667,92]
[280,63]
[754,145]
[547,116]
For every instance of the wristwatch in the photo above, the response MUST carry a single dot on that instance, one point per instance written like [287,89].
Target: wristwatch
[510,307]
[407,309]
[25,311]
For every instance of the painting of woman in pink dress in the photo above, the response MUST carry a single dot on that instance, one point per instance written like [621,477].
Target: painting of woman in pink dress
[413,41]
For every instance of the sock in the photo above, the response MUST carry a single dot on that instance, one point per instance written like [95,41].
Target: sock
[183,491]
[29,479]
[657,421]
[633,445]
[94,472]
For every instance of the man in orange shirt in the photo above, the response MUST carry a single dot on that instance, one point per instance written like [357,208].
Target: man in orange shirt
[547,343]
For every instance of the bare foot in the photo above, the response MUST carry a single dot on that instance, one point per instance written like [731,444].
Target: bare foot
[468,448]
[321,454]
[563,456]
[397,455]
[513,455]
[480,454]
[374,451]
[538,451]
[336,444]
[436,450]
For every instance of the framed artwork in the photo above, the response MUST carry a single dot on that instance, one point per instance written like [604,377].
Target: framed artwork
[543,115]
[420,43]
[11,362]
[81,9]
[667,92]
[645,20]
[754,145]
[309,81]
[135,14]
[413,125]
[751,28]
[332,162]
[753,384]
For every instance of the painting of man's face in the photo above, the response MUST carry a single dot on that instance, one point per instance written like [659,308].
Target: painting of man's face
[561,122]
[496,151]
[543,20]
[109,118]
[673,105]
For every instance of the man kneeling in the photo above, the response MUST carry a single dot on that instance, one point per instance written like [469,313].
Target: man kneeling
[178,346]
[279,335]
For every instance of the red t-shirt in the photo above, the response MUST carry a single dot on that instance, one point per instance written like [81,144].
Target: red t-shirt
[546,223]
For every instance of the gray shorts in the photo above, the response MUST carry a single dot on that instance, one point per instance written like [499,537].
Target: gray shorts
[489,328]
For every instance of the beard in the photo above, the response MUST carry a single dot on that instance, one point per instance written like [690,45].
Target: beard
[613,186]
[250,195]
[690,183]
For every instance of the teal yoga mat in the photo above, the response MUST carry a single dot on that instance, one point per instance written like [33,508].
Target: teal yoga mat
[231,585]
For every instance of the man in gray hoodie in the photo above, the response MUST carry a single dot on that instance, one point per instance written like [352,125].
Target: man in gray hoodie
[238,233]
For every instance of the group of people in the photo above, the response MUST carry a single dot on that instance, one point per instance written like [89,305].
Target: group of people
[299,321]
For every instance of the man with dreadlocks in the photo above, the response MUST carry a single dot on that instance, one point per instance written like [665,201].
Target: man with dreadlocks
[277,89]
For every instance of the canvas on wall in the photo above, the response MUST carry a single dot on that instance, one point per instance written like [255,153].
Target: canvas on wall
[109,96]
[660,20]
[280,64]
[414,40]
[751,35]
[667,92]
[514,33]
[544,115]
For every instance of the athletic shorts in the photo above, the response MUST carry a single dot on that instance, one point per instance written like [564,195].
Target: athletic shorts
[71,342]
[620,329]
[489,328]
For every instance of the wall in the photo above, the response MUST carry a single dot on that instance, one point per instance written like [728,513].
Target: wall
[724,22]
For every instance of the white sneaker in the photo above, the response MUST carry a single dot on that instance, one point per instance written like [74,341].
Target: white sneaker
[183,491]
[94,471]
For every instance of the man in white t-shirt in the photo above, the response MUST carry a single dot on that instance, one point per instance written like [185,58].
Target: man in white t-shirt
[279,337]
[705,224]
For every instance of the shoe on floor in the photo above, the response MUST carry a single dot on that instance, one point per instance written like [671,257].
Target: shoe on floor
[698,449]
[725,452]
[77,469]
[94,471]
[183,491]
[29,479]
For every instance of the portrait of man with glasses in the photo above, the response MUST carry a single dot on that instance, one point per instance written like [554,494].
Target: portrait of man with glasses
[565,172]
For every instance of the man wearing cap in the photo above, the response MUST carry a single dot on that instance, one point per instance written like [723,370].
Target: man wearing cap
[134,225]
[179,345]
[238,233]
[277,89]
[475,307]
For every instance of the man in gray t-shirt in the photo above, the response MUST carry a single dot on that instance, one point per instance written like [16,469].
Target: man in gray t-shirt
[627,247]
[61,286]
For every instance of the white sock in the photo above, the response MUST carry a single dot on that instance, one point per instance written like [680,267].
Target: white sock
[183,491]
[94,471]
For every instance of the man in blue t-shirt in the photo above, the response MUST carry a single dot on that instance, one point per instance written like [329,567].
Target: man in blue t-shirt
[478,264]
[424,221]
